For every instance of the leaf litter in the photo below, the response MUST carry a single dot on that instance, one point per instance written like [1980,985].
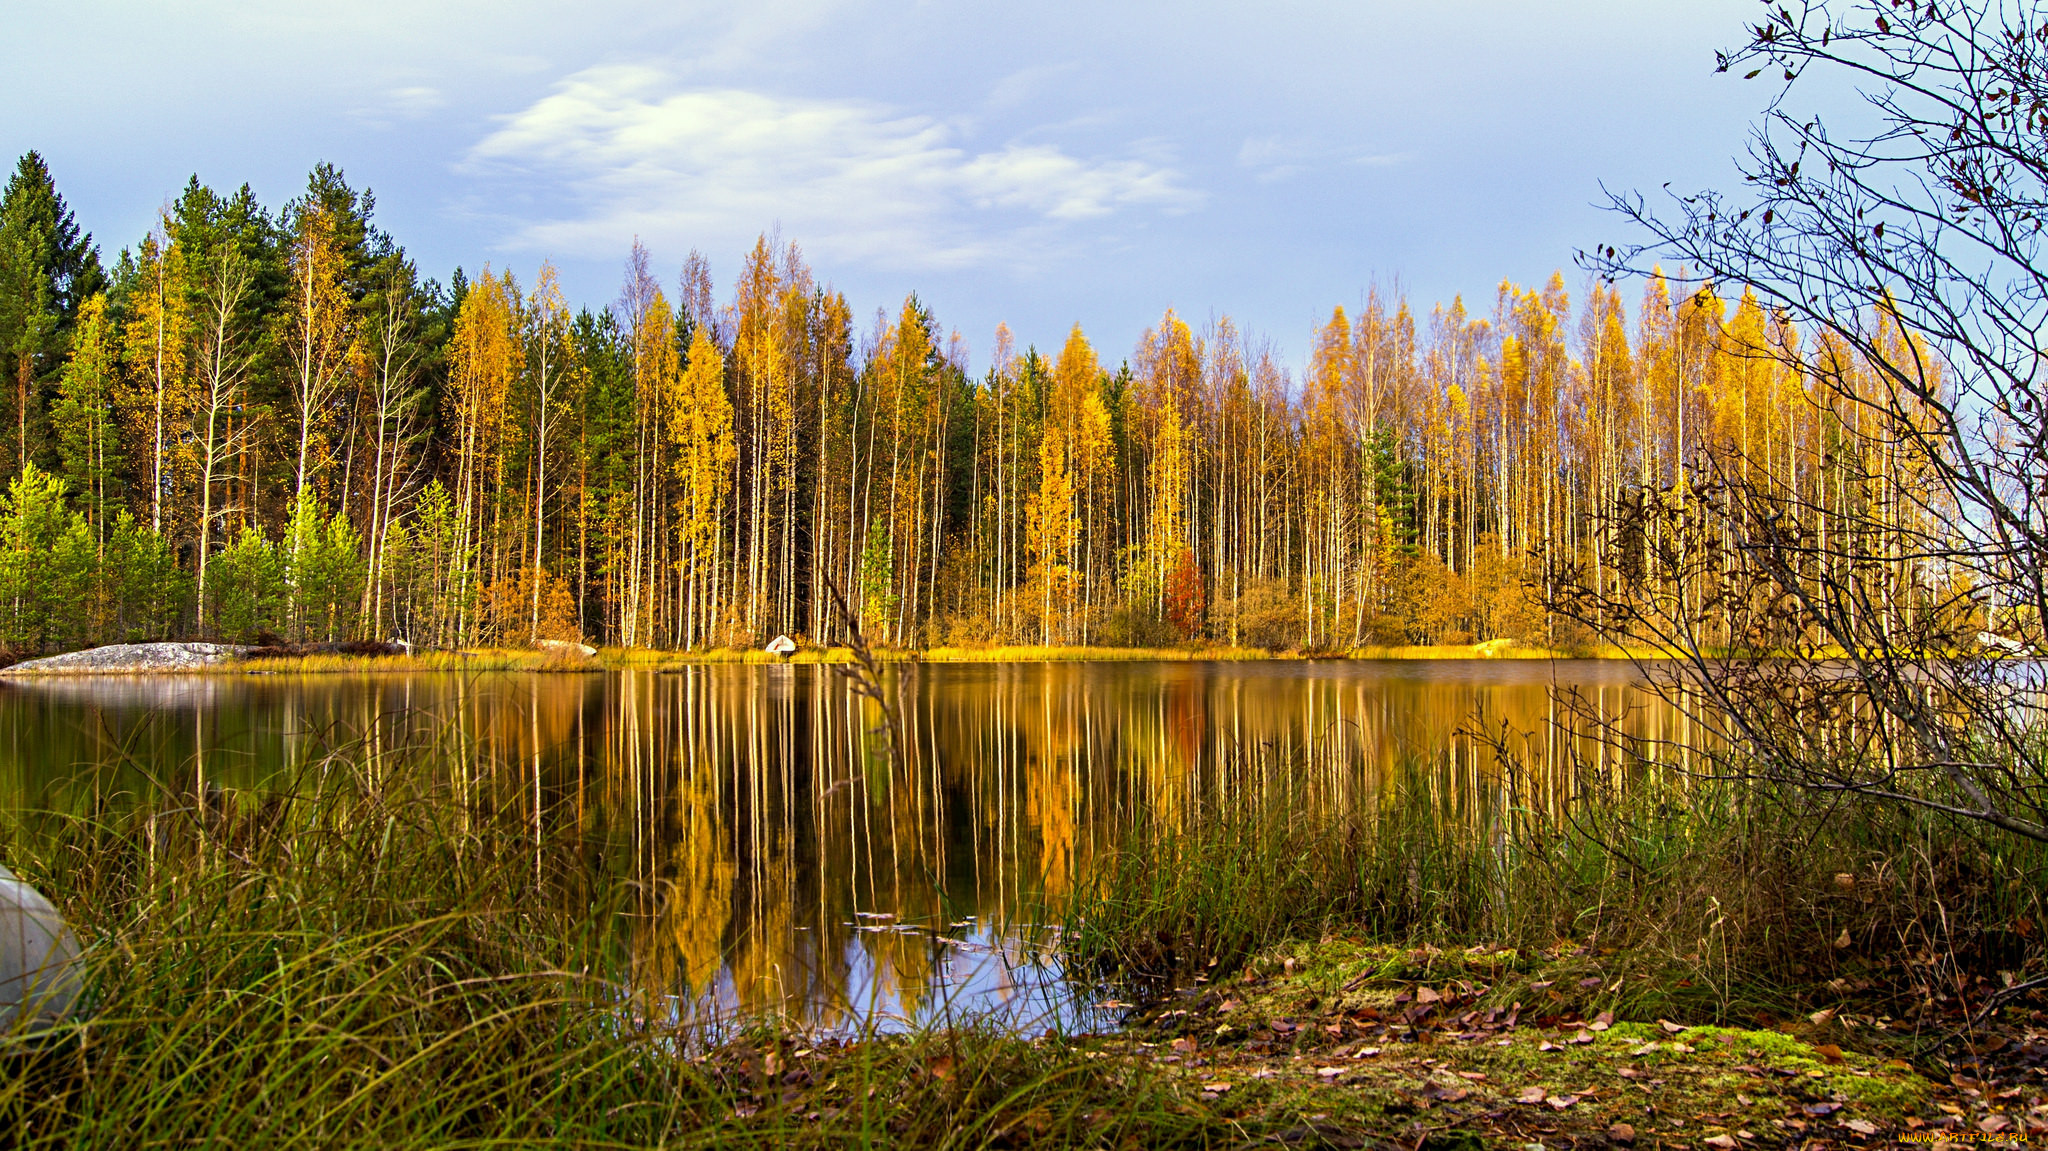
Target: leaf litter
[1381,1042]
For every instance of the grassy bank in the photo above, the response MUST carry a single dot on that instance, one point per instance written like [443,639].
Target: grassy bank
[653,659]
[1711,902]
[478,660]
[379,959]
[384,963]
[1763,967]
[648,658]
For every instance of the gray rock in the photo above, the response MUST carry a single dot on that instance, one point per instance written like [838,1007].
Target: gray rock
[40,976]
[130,657]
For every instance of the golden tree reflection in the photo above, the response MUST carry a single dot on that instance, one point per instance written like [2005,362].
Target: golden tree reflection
[777,860]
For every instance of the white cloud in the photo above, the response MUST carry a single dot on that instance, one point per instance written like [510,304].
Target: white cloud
[1274,158]
[640,155]
[392,106]
[415,101]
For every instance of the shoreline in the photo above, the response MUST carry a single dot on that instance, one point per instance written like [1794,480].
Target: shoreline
[646,659]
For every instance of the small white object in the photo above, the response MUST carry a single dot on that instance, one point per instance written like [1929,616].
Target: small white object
[583,649]
[781,645]
[40,975]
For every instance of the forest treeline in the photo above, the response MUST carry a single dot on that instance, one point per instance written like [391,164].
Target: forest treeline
[269,423]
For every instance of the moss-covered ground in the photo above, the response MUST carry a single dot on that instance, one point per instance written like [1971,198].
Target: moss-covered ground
[1346,1044]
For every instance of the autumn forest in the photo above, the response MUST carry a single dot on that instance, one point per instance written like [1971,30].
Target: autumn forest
[254,422]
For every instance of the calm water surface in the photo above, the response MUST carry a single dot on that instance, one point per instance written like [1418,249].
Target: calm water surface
[780,863]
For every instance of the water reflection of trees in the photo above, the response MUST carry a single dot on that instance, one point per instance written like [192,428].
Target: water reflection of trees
[786,835]
[772,848]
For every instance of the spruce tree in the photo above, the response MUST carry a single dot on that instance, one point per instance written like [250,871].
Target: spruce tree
[48,268]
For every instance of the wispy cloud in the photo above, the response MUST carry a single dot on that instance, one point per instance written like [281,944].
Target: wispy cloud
[415,100]
[640,154]
[393,106]
[1274,158]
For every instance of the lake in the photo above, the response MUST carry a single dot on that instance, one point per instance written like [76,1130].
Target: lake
[776,859]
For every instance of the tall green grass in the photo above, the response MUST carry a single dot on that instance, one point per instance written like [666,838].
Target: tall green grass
[382,958]
[385,954]
[1713,900]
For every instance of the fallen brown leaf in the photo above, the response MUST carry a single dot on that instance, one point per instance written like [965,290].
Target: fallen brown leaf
[1671,1028]
[1829,1053]
[1531,1095]
[1446,1092]
[1560,1102]
[1819,1110]
[1622,1133]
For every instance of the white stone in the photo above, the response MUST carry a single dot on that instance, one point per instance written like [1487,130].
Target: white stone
[40,974]
[583,649]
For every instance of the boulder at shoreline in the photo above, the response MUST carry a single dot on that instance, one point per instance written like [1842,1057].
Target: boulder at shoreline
[130,657]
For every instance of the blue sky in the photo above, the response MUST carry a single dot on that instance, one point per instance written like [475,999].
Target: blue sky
[1039,164]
